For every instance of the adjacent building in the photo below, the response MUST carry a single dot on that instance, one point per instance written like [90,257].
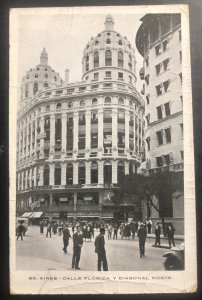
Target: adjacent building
[76,140]
[158,40]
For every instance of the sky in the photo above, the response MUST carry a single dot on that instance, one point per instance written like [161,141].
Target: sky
[65,33]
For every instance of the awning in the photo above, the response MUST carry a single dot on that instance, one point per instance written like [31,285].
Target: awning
[36,214]
[27,214]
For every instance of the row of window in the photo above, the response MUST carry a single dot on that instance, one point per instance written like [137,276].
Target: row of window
[81,173]
[167,159]
[108,75]
[163,111]
[108,60]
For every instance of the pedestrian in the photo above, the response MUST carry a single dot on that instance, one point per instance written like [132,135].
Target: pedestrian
[170,234]
[132,229]
[49,228]
[127,231]
[100,250]
[115,231]
[73,226]
[66,237]
[41,227]
[142,234]
[77,244]
[21,231]
[109,229]
[149,226]
[158,234]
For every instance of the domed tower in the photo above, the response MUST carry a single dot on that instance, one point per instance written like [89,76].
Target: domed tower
[109,56]
[39,78]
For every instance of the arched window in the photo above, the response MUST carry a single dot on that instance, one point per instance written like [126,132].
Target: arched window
[108,58]
[94,172]
[121,101]
[59,106]
[120,171]
[70,104]
[120,42]
[35,89]
[69,174]
[87,62]
[45,85]
[96,60]
[108,41]
[27,90]
[120,59]
[46,175]
[82,103]
[57,174]
[94,101]
[107,100]
[82,173]
[107,172]
[47,107]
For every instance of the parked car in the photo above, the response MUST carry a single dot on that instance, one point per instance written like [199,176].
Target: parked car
[174,258]
[25,223]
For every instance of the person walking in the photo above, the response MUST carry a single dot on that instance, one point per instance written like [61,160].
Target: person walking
[133,229]
[77,244]
[170,234]
[49,228]
[142,234]
[109,231]
[21,231]
[115,231]
[158,234]
[41,227]
[100,250]
[149,226]
[66,237]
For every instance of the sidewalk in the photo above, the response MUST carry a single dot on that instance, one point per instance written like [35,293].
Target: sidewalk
[176,237]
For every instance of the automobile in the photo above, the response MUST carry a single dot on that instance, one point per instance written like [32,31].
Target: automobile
[25,223]
[174,258]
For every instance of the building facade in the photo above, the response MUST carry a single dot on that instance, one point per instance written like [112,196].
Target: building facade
[76,140]
[158,40]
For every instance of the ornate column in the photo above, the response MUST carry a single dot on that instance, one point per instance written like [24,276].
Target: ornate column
[114,172]
[41,180]
[52,174]
[52,133]
[88,172]
[42,138]
[88,131]
[126,167]
[76,133]
[75,172]
[100,131]
[100,172]
[35,176]
[26,177]
[114,131]
[64,132]
[63,173]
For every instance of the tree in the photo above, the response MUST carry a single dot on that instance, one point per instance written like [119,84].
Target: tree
[160,186]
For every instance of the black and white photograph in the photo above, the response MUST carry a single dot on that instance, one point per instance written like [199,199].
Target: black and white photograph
[102,132]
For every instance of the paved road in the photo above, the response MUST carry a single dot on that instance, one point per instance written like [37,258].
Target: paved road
[36,252]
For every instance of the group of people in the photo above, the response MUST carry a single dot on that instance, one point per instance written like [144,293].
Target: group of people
[169,232]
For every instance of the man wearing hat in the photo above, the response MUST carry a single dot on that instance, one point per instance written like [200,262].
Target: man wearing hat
[100,250]
[142,234]
[66,237]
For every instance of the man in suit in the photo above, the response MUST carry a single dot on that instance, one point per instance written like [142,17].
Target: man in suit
[100,250]
[66,236]
[77,244]
[157,234]
[142,234]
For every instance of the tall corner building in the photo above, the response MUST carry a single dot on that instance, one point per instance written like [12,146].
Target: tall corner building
[158,40]
[75,140]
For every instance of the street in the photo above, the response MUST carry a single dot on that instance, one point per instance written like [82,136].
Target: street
[36,252]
